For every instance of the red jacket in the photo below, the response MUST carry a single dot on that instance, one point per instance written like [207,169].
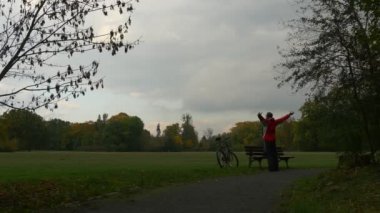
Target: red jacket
[270,127]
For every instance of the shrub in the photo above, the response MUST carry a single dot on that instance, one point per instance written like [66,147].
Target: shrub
[7,145]
[354,159]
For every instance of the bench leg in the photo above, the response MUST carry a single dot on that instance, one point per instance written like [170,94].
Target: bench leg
[249,163]
[260,164]
[287,166]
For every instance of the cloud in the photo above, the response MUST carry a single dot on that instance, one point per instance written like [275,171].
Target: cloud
[211,58]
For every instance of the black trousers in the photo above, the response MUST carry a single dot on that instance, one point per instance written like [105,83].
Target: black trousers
[271,152]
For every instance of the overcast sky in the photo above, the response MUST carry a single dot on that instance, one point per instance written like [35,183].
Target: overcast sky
[212,59]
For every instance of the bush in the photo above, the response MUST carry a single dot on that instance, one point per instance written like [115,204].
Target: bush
[354,159]
[7,145]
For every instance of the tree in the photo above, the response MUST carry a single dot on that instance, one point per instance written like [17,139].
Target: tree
[135,133]
[285,134]
[247,133]
[328,125]
[172,138]
[206,140]
[189,135]
[208,133]
[6,145]
[27,128]
[81,136]
[100,126]
[335,51]
[57,133]
[124,133]
[35,33]
[158,130]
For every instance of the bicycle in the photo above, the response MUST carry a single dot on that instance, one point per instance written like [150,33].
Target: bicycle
[224,154]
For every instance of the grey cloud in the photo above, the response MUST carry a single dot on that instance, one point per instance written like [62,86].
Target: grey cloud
[213,55]
[209,58]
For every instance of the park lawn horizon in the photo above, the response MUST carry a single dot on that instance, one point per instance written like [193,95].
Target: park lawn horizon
[45,179]
[36,165]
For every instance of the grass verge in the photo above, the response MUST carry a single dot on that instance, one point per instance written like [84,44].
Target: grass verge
[338,190]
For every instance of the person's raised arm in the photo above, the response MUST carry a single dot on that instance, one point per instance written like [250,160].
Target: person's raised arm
[284,118]
[260,116]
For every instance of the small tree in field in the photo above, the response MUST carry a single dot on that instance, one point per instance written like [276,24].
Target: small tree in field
[34,32]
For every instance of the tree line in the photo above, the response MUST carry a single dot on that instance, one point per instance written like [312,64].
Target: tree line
[323,126]
[23,130]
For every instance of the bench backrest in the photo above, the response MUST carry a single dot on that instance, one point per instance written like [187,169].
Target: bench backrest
[254,150]
[280,151]
[259,150]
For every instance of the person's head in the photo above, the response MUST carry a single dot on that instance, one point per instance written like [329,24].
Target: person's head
[269,115]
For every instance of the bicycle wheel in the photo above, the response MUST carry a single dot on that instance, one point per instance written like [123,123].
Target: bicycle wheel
[221,158]
[233,161]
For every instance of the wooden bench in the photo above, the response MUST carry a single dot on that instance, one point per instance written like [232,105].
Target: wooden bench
[257,153]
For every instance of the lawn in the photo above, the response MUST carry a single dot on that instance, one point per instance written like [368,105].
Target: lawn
[46,165]
[35,180]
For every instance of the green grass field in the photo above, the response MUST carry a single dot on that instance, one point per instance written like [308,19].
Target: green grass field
[21,166]
[35,180]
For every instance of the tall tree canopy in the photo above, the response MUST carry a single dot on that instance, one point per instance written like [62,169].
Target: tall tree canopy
[35,32]
[335,51]
[172,138]
[247,133]
[328,125]
[189,135]
[124,132]
[27,128]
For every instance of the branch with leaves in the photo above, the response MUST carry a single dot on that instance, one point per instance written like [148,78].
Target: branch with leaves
[33,33]
[334,47]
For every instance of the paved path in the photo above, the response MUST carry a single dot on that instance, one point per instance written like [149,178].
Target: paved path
[238,194]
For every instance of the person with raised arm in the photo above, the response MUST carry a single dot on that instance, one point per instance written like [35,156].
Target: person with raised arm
[269,136]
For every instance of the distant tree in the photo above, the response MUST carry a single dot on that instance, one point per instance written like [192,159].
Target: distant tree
[335,46]
[152,144]
[81,136]
[206,140]
[208,133]
[35,33]
[104,117]
[124,133]
[158,131]
[100,125]
[204,144]
[247,133]
[189,135]
[119,117]
[285,134]
[57,133]
[135,133]
[6,144]
[27,128]
[172,138]
[147,142]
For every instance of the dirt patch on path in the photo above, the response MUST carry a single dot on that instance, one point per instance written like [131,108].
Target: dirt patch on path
[256,193]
